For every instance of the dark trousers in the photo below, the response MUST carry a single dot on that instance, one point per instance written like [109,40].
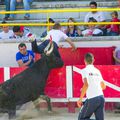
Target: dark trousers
[7,3]
[40,48]
[94,105]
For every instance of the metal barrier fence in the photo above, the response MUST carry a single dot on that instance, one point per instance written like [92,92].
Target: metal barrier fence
[50,11]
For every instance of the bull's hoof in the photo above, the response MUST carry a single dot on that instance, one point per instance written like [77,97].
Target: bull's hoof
[50,112]
[12,114]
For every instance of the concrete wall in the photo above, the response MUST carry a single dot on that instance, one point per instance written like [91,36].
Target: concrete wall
[9,48]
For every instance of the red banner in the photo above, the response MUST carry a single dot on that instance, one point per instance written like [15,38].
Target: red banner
[16,70]
[103,55]
[56,83]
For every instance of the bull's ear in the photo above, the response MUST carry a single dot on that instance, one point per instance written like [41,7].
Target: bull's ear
[50,50]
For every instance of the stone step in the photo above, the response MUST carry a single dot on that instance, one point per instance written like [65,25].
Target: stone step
[68,4]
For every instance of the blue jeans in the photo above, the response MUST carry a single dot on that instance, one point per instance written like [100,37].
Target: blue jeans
[7,7]
[94,105]
[111,33]
[26,4]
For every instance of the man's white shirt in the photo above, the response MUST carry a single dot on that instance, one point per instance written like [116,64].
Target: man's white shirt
[94,32]
[7,35]
[94,79]
[57,35]
[98,16]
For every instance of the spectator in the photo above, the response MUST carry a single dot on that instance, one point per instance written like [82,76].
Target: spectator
[21,32]
[116,56]
[113,29]
[7,7]
[6,32]
[97,15]
[44,34]
[72,30]
[118,3]
[13,4]
[24,57]
[56,35]
[93,86]
[92,30]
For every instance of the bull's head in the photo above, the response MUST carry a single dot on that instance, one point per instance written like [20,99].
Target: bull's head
[52,60]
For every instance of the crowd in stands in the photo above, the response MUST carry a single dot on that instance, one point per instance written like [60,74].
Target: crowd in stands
[73,30]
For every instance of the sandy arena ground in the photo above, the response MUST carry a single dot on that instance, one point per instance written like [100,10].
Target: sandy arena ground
[28,112]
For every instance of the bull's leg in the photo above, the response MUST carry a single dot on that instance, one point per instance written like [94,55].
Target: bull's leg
[2,96]
[11,109]
[12,114]
[11,106]
[47,99]
[36,104]
[44,97]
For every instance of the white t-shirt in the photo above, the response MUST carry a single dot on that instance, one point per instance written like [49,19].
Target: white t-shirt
[94,79]
[8,35]
[90,32]
[56,35]
[98,16]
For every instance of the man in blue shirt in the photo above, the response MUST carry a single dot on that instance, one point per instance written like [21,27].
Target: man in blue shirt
[24,57]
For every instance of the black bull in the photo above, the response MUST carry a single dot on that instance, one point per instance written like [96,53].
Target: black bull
[28,85]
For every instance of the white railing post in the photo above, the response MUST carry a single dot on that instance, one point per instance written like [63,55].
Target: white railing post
[69,84]
[6,73]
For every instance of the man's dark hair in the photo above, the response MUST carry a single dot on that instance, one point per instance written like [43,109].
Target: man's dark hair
[92,19]
[93,3]
[16,28]
[51,20]
[3,22]
[89,58]
[56,26]
[115,13]
[21,45]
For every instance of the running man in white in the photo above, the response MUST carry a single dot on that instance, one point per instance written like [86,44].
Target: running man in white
[93,88]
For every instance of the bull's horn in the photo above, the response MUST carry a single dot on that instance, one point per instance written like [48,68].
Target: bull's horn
[50,50]
[47,47]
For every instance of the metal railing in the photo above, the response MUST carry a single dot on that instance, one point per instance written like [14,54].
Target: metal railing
[50,11]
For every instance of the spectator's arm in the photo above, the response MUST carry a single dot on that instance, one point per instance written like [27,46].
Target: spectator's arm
[71,43]
[21,64]
[79,32]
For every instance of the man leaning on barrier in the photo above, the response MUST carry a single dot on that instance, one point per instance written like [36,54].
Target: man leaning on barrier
[56,35]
